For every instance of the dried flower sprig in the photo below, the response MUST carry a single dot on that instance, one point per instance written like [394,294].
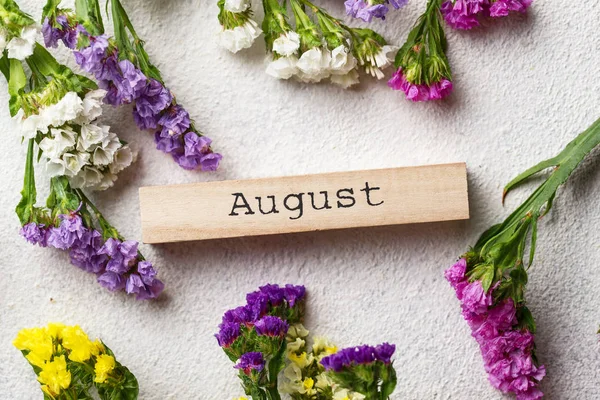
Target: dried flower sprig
[316,46]
[68,364]
[491,278]
[123,68]
[266,336]
[369,9]
[423,71]
[55,112]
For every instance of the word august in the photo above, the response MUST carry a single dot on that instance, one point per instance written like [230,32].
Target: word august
[294,202]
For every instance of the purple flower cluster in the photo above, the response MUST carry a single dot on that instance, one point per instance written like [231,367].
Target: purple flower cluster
[420,92]
[66,32]
[465,14]
[254,313]
[154,107]
[367,10]
[360,355]
[253,361]
[115,263]
[507,350]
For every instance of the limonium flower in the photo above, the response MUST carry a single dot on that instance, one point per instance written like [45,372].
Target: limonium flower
[239,30]
[67,363]
[465,14]
[122,68]
[369,9]
[423,71]
[490,279]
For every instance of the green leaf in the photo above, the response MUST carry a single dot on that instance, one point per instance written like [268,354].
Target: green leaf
[525,319]
[25,208]
[488,277]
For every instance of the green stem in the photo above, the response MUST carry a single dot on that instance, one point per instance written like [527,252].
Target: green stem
[25,208]
[108,231]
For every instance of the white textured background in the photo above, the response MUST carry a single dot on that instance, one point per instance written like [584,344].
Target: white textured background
[525,86]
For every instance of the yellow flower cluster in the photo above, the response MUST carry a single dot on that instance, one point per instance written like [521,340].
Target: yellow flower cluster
[50,347]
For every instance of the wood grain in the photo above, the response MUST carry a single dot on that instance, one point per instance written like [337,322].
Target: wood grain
[393,196]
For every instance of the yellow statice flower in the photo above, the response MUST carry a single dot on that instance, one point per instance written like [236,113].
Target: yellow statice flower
[55,330]
[323,348]
[301,360]
[241,398]
[297,330]
[295,346]
[104,366]
[98,347]
[54,375]
[77,341]
[307,386]
[39,344]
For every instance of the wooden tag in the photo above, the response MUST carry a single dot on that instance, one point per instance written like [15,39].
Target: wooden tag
[304,203]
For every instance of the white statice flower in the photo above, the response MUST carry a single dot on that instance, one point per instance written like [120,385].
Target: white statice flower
[91,106]
[240,37]
[74,162]
[236,6]
[22,47]
[342,61]
[67,109]
[313,65]
[87,177]
[56,167]
[107,181]
[381,60]
[283,67]
[2,40]
[30,126]
[59,142]
[123,158]
[287,44]
[91,135]
[345,394]
[346,81]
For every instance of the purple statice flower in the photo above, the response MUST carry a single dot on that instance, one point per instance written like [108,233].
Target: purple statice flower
[65,32]
[152,100]
[91,58]
[123,255]
[501,8]
[35,233]
[271,326]
[248,362]
[359,355]
[143,283]
[294,294]
[85,252]
[228,333]
[420,92]
[112,281]
[367,10]
[274,292]
[239,315]
[175,120]
[69,231]
[506,348]
[258,304]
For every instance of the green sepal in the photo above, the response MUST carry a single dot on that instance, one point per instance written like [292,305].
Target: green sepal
[89,15]
[525,319]
[16,83]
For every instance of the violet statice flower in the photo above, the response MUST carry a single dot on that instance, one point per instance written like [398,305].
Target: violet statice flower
[64,32]
[85,252]
[359,355]
[294,294]
[123,255]
[143,283]
[507,349]
[420,92]
[252,361]
[239,315]
[69,231]
[271,326]
[228,333]
[367,10]
[35,233]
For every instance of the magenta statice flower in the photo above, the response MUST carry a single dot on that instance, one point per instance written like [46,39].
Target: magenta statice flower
[506,347]
[249,362]
[420,92]
[271,326]
[465,14]
[369,9]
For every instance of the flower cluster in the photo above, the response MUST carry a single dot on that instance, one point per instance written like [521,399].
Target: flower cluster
[507,348]
[367,10]
[422,68]
[254,335]
[55,110]
[465,14]
[137,82]
[309,51]
[67,363]
[266,337]
[90,155]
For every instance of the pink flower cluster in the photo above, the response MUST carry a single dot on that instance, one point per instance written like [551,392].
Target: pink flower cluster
[506,349]
[420,92]
[465,14]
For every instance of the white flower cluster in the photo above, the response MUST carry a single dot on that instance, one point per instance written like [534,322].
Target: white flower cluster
[243,35]
[318,63]
[20,47]
[374,63]
[88,154]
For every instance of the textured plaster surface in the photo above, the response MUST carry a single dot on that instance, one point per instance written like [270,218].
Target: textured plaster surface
[524,87]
